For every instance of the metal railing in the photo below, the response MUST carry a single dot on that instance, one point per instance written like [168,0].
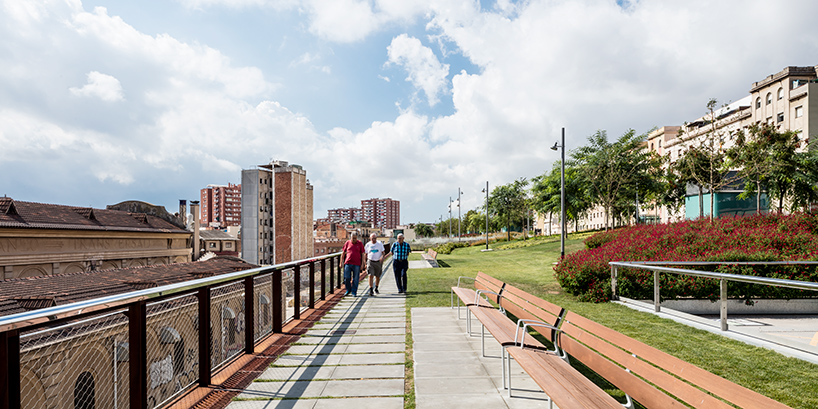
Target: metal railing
[656,268]
[144,348]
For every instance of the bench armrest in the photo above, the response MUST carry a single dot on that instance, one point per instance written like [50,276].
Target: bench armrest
[524,324]
[458,279]
[479,292]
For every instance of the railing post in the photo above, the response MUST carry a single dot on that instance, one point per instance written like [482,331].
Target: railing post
[723,307]
[614,272]
[204,337]
[323,285]
[656,291]
[10,370]
[324,273]
[277,300]
[249,315]
[339,264]
[297,292]
[312,285]
[138,355]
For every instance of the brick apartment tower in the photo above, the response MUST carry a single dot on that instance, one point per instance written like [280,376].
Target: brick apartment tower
[221,205]
[382,213]
[345,215]
[276,214]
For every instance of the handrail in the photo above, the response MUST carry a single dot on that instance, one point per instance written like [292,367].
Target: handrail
[656,267]
[35,317]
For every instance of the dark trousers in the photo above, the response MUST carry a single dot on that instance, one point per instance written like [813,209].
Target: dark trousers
[400,267]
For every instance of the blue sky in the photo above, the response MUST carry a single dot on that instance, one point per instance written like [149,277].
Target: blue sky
[104,101]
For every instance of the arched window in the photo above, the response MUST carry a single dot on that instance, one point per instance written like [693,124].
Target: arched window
[781,93]
[758,102]
[84,393]
[769,98]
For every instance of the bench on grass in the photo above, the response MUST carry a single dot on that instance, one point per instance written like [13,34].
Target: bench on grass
[430,256]
[651,377]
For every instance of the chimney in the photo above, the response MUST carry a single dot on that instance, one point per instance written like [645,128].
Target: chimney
[194,211]
[183,212]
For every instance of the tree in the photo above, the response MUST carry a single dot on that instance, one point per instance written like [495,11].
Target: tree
[609,171]
[546,192]
[508,201]
[424,230]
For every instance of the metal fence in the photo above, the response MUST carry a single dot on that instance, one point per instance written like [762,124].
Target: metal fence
[143,349]
[657,267]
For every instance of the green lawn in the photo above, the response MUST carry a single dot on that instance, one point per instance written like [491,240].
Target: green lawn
[788,380]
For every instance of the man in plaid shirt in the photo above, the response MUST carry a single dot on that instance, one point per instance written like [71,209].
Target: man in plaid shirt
[400,262]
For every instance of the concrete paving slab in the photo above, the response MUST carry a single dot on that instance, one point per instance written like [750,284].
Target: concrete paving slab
[317,349]
[307,360]
[440,346]
[459,385]
[375,348]
[293,373]
[452,370]
[452,401]
[371,359]
[364,387]
[360,403]
[273,404]
[439,338]
[311,339]
[368,372]
[387,331]
[295,389]
[443,357]
[374,339]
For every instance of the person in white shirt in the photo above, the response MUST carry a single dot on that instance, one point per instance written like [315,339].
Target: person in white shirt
[374,262]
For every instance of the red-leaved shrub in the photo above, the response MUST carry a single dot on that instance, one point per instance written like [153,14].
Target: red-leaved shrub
[773,237]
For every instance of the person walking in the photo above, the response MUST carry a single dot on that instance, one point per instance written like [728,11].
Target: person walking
[400,262]
[374,262]
[353,256]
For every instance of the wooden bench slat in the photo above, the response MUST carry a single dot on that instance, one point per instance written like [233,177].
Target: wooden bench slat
[500,327]
[734,393]
[602,358]
[552,309]
[566,387]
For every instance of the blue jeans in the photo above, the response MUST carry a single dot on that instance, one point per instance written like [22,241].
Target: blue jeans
[352,274]
[400,267]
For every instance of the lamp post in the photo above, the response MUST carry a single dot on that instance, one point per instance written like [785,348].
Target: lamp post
[562,193]
[450,216]
[459,220]
[486,190]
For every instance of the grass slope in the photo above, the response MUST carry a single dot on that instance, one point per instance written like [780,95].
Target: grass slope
[788,380]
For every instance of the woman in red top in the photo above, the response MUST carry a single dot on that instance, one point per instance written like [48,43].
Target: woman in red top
[353,256]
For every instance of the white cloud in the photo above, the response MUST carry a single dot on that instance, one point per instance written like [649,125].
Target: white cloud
[102,86]
[424,69]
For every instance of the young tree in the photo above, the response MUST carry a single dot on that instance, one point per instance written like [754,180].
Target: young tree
[608,170]
[508,201]
[546,191]
[424,230]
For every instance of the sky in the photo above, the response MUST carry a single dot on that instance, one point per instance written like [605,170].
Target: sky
[106,101]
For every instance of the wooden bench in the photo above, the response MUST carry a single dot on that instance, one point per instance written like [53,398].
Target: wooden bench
[651,377]
[430,256]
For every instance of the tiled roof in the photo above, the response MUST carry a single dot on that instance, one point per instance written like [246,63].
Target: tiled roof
[215,235]
[17,214]
[25,294]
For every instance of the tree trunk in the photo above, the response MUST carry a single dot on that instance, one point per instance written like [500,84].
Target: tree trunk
[712,200]
[758,197]
[701,202]
[550,222]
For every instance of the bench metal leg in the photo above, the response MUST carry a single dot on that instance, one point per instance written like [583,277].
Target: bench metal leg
[468,321]
[508,372]
[503,363]
[483,339]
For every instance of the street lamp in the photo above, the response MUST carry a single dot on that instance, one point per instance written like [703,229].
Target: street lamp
[562,194]
[459,221]
[450,216]
[486,191]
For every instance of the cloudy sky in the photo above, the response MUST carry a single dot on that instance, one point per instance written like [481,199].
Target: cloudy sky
[105,101]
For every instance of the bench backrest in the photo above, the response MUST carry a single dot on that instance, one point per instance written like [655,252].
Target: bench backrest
[607,352]
[486,282]
[526,306]
[432,253]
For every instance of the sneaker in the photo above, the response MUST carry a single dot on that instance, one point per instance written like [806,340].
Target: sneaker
[376,290]
[371,292]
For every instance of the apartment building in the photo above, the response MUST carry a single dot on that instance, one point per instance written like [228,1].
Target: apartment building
[276,213]
[381,213]
[220,205]
[347,215]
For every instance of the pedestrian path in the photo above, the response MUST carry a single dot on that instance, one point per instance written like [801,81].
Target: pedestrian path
[353,358]
[450,371]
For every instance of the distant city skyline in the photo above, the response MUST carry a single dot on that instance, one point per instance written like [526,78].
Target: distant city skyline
[102,102]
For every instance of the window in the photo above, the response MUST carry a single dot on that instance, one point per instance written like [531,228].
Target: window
[799,111]
[84,392]
[769,98]
[228,245]
[781,93]
[758,103]
[211,245]
[780,117]
[660,143]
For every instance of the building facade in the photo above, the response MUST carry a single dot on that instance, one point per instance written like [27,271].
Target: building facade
[220,205]
[345,215]
[381,213]
[39,239]
[276,214]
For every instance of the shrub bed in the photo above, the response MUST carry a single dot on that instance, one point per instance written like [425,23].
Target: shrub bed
[775,237]
[447,248]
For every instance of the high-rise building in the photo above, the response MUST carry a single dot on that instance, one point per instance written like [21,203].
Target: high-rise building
[276,213]
[382,213]
[345,215]
[221,205]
